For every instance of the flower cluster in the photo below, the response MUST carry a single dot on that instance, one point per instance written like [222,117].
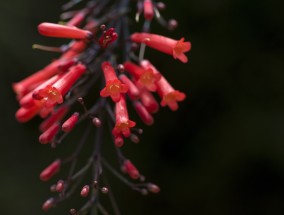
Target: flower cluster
[98,56]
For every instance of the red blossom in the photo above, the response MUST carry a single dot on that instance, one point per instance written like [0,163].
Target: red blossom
[176,48]
[145,116]
[123,124]
[56,115]
[145,77]
[133,91]
[53,94]
[149,101]
[63,31]
[114,88]
[169,95]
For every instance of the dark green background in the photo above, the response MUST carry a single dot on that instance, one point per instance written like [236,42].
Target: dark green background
[221,153]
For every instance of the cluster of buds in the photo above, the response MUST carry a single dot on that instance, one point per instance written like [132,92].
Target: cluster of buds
[97,54]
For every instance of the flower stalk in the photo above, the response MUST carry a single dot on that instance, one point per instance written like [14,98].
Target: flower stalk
[101,64]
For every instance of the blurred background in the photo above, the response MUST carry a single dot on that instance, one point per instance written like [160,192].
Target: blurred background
[221,153]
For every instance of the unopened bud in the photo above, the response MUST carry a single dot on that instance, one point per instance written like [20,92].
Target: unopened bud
[85,191]
[172,24]
[48,204]
[102,27]
[104,190]
[80,100]
[50,170]
[120,68]
[153,188]
[97,122]
[95,184]
[48,135]
[53,188]
[134,46]
[142,178]
[69,124]
[140,131]
[118,141]
[144,192]
[130,169]
[161,5]
[72,211]
[148,10]
[60,186]
[134,138]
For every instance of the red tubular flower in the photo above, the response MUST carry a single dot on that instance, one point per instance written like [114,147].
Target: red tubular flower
[114,88]
[177,48]
[69,124]
[145,78]
[55,116]
[75,48]
[45,111]
[169,95]
[63,31]
[133,91]
[50,170]
[26,85]
[123,124]
[28,99]
[48,135]
[130,169]
[78,18]
[165,90]
[25,114]
[53,94]
[149,101]
[66,65]
[148,10]
[145,116]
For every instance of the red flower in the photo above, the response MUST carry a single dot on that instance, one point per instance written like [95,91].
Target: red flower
[169,95]
[133,91]
[53,94]
[123,124]
[114,88]
[63,31]
[144,114]
[25,114]
[149,101]
[145,77]
[177,48]
[56,115]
